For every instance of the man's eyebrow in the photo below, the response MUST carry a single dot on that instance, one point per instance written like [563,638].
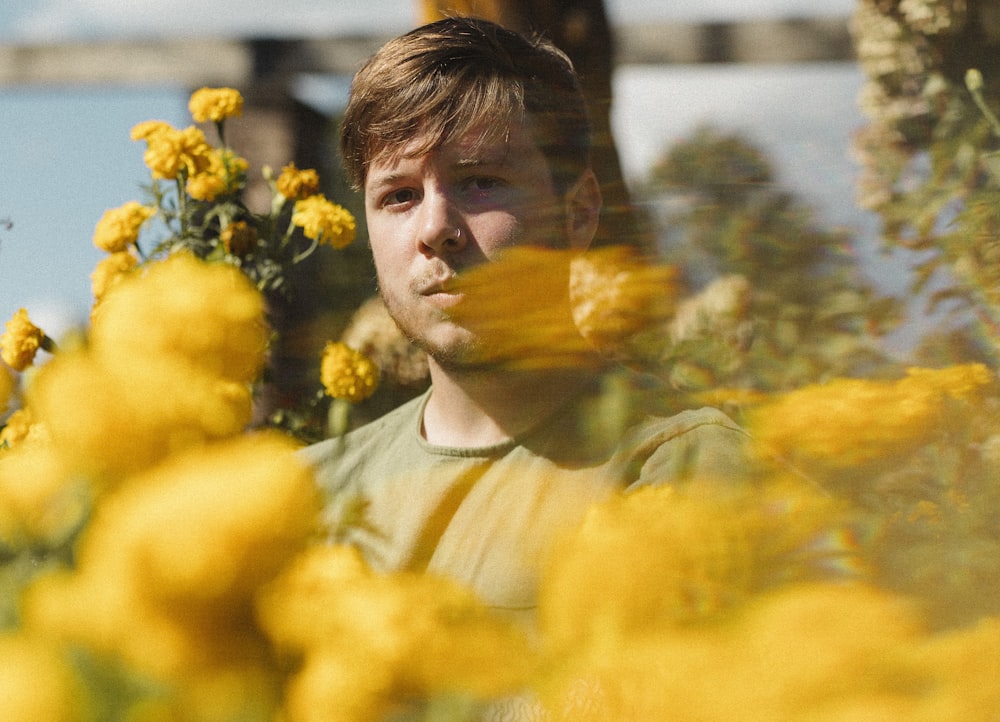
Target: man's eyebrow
[477,161]
[381,180]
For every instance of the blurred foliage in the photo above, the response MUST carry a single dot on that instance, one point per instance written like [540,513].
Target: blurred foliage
[928,153]
[808,314]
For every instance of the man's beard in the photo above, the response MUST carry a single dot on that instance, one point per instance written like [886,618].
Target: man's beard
[460,355]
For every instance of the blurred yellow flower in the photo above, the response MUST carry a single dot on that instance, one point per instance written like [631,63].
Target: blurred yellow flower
[112,419]
[119,228]
[619,295]
[8,387]
[295,184]
[215,104]
[347,374]
[173,350]
[169,564]
[37,682]
[847,423]
[20,342]
[16,427]
[110,270]
[148,128]
[701,552]
[207,314]
[324,221]
[41,500]
[532,327]
[370,643]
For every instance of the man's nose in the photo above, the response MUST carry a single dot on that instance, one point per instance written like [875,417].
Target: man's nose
[441,229]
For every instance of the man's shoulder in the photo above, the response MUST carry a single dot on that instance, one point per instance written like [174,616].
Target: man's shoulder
[705,421]
[690,443]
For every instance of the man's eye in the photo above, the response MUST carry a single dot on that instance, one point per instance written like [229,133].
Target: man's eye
[399,197]
[482,184]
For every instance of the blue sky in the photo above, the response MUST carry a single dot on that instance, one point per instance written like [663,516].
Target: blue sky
[67,156]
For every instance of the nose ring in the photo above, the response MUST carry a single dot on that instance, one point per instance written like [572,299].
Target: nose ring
[458,233]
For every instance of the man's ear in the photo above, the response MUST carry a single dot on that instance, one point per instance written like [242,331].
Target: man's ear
[583,210]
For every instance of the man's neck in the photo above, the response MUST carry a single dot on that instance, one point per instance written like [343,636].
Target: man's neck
[478,408]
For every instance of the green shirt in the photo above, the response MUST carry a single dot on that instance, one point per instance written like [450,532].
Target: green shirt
[487,516]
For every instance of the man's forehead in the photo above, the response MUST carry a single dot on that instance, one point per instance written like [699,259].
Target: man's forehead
[495,144]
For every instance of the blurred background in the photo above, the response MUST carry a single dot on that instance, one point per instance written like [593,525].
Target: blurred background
[76,75]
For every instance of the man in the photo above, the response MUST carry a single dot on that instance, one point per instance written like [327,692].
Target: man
[471,142]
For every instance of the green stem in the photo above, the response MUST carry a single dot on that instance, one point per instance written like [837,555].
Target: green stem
[338,417]
[974,82]
[306,253]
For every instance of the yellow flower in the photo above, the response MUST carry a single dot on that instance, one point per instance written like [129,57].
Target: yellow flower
[372,642]
[173,350]
[41,499]
[169,564]
[531,328]
[618,295]
[295,184]
[209,315]
[347,374]
[119,227]
[148,128]
[110,270]
[215,104]
[170,151]
[21,341]
[847,423]
[324,221]
[112,418]
[702,552]
[37,682]
[239,238]
[8,385]
[225,174]
[16,428]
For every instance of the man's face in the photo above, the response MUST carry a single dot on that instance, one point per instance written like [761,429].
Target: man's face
[433,216]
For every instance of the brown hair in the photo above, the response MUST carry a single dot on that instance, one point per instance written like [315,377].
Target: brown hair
[445,79]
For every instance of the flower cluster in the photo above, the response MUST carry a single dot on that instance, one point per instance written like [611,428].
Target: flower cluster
[347,374]
[197,193]
[21,341]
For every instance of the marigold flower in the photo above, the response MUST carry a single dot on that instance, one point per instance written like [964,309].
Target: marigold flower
[215,104]
[16,428]
[295,184]
[532,328]
[347,374]
[324,221]
[175,558]
[847,423]
[41,499]
[119,227]
[21,341]
[8,385]
[369,641]
[170,151]
[617,295]
[36,681]
[209,315]
[373,332]
[113,416]
[148,128]
[110,270]
[225,174]
[239,238]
